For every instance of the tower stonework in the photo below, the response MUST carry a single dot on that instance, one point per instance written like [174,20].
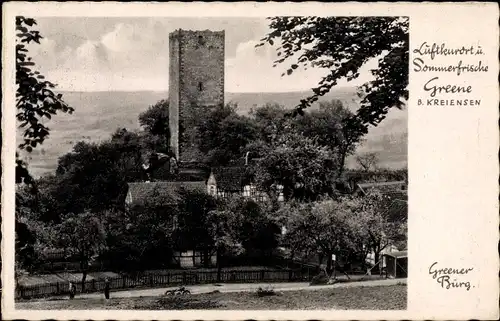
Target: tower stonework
[196,83]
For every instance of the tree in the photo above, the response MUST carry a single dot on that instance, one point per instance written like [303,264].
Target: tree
[141,236]
[367,161]
[385,221]
[242,226]
[94,176]
[83,236]
[235,133]
[257,230]
[155,119]
[256,149]
[326,227]
[271,122]
[304,169]
[192,231]
[223,226]
[223,134]
[35,100]
[26,228]
[343,45]
[90,178]
[155,122]
[329,127]
[25,245]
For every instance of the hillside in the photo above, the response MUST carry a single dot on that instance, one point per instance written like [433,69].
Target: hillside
[98,114]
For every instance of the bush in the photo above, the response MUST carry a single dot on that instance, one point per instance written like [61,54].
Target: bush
[269,291]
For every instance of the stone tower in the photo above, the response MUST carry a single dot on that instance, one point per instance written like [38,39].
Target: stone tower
[196,83]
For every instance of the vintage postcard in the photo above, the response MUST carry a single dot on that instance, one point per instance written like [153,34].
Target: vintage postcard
[232,161]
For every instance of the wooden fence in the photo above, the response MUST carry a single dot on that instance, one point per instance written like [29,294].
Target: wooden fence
[164,280]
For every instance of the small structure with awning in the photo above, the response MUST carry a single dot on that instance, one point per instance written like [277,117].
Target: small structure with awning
[396,264]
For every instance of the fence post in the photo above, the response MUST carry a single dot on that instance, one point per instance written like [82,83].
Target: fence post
[289,275]
[57,287]
[151,280]
[184,277]
[123,281]
[262,274]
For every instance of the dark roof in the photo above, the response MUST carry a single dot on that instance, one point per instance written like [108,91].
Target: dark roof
[393,187]
[230,178]
[397,195]
[192,174]
[162,172]
[361,176]
[138,192]
[399,254]
[392,184]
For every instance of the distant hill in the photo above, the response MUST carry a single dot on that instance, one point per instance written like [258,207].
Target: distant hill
[98,114]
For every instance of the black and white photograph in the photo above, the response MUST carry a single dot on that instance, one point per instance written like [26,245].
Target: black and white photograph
[249,161]
[213,163]
[229,163]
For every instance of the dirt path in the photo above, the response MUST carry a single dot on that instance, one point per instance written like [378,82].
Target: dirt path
[243,287]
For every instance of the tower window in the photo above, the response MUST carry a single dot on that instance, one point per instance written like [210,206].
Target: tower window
[200,86]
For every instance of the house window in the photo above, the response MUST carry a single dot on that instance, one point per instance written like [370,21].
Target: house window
[200,86]
[246,191]
[253,191]
[261,197]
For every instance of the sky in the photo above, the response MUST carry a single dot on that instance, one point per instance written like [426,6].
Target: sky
[131,54]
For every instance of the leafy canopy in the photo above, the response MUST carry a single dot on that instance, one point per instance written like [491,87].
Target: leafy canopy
[155,119]
[342,45]
[325,227]
[35,100]
[303,168]
[328,127]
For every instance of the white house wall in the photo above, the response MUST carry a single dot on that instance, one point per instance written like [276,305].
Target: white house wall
[128,199]
[211,185]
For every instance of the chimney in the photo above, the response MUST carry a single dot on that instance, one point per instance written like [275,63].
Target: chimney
[246,158]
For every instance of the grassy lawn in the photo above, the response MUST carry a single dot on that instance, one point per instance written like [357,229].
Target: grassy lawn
[360,298]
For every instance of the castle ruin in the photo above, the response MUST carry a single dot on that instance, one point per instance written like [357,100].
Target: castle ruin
[196,84]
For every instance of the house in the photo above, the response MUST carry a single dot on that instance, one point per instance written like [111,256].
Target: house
[235,180]
[396,264]
[227,181]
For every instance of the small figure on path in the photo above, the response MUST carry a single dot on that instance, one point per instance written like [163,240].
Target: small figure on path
[72,290]
[106,289]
